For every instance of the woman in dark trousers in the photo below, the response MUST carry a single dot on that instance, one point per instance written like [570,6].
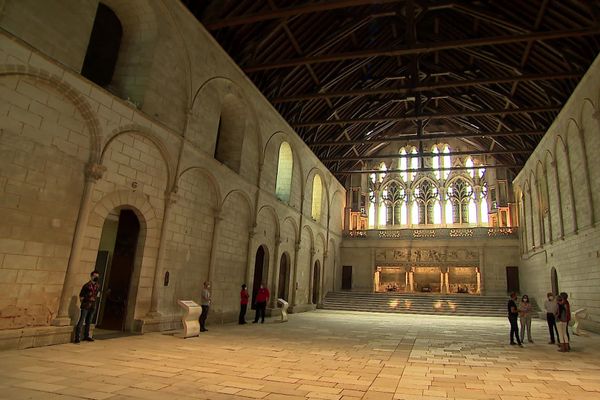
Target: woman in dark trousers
[513,316]
[262,298]
[243,304]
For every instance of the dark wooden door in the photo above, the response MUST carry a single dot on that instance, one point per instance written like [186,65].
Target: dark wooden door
[347,277]
[512,279]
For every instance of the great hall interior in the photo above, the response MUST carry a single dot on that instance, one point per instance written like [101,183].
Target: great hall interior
[405,156]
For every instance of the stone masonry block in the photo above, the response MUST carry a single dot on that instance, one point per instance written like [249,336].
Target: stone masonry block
[14,261]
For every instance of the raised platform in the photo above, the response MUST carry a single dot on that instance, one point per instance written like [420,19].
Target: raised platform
[417,303]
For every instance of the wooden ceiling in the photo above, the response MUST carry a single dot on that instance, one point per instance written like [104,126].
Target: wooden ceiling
[351,76]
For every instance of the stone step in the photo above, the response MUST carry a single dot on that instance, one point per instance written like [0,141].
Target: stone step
[417,303]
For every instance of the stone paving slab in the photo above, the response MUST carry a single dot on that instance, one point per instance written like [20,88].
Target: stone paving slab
[321,355]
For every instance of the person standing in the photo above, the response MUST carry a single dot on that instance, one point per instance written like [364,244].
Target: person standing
[513,315]
[205,303]
[87,296]
[565,298]
[551,307]
[525,311]
[562,321]
[262,297]
[243,304]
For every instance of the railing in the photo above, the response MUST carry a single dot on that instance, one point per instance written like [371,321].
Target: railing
[436,233]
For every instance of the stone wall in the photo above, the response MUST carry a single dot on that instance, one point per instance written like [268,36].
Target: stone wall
[559,205]
[491,255]
[72,153]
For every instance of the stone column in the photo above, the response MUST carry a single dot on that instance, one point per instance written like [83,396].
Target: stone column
[294,275]
[406,273]
[275,275]
[312,274]
[443,205]
[477,194]
[213,250]
[322,278]
[249,257]
[93,173]
[170,199]
[478,288]
[377,201]
[409,202]
[447,280]
[411,280]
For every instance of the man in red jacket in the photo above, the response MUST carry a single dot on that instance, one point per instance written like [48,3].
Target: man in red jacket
[262,297]
[243,304]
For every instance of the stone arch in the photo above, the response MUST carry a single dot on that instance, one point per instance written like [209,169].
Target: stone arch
[523,225]
[233,257]
[273,215]
[332,220]
[80,102]
[543,201]
[208,176]
[578,170]
[148,134]
[535,209]
[146,259]
[308,183]
[528,214]
[220,104]
[590,123]
[565,186]
[554,196]
[241,193]
[136,53]
[270,163]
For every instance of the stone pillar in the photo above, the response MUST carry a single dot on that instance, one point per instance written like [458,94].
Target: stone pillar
[406,273]
[443,205]
[447,280]
[275,275]
[213,250]
[478,288]
[477,194]
[411,280]
[93,173]
[322,278]
[377,201]
[441,281]
[249,257]
[312,274]
[170,199]
[409,202]
[294,275]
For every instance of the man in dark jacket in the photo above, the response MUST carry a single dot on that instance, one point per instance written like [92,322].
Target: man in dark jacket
[87,296]
[513,315]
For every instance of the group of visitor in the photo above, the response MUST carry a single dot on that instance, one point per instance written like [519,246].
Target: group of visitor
[262,298]
[558,315]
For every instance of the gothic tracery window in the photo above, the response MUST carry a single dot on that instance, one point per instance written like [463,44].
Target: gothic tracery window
[460,195]
[394,196]
[427,199]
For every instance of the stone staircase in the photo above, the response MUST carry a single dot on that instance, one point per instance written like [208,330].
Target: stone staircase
[417,303]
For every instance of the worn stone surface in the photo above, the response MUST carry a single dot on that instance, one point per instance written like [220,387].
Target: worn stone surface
[317,355]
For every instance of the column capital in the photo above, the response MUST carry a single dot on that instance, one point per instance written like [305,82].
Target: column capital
[94,172]
[313,251]
[277,240]
[297,245]
[217,214]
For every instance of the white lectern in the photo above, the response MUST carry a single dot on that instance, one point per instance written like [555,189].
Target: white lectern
[284,308]
[191,326]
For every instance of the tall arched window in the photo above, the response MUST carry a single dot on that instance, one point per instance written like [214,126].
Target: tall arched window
[285,166]
[427,198]
[394,196]
[103,48]
[414,163]
[317,197]
[460,195]
[469,165]
[446,162]
[435,162]
[403,164]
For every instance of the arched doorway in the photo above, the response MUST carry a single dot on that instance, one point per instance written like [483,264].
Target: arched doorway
[554,280]
[260,270]
[115,262]
[284,278]
[316,279]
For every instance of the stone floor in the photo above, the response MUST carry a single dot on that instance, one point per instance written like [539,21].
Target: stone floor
[316,355]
